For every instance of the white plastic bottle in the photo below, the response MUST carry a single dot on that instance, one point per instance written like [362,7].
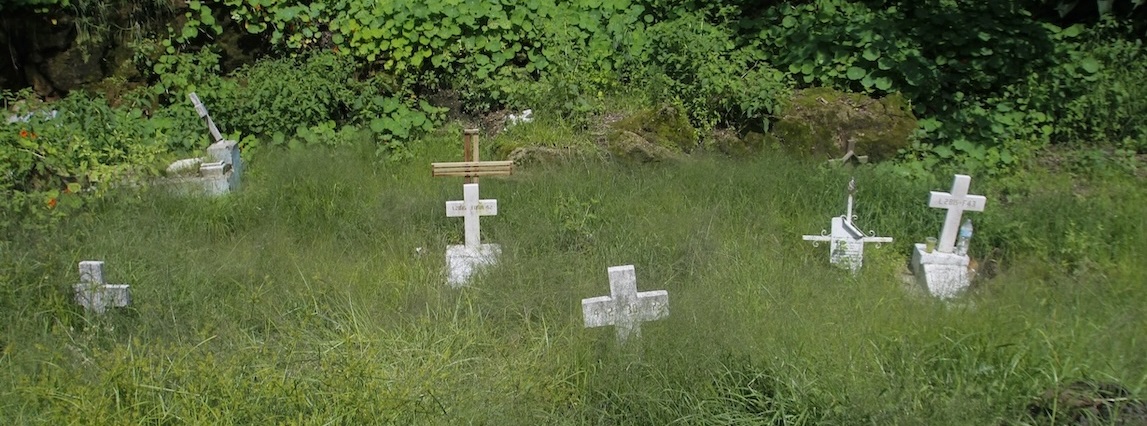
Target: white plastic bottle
[965,238]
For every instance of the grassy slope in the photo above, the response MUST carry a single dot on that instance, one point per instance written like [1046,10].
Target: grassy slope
[304,300]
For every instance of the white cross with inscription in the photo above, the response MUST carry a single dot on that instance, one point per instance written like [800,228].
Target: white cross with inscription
[625,307]
[956,202]
[470,209]
[94,294]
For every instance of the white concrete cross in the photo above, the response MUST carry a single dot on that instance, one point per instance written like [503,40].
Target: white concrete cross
[94,294]
[202,111]
[470,209]
[625,307]
[956,202]
[846,242]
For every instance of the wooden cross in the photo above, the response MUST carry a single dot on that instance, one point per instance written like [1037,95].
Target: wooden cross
[470,168]
[625,307]
[956,202]
[94,294]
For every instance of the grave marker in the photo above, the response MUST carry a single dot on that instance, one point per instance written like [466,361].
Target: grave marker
[846,242]
[94,294]
[470,209]
[956,202]
[218,172]
[944,273]
[471,168]
[462,261]
[625,308]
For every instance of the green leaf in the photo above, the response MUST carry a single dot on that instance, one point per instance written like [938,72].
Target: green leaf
[871,54]
[883,83]
[1090,65]
[856,73]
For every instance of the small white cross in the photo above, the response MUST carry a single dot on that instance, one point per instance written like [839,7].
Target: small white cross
[470,209]
[625,307]
[956,202]
[846,242]
[94,294]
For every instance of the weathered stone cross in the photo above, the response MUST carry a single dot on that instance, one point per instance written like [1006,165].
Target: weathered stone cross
[956,202]
[470,209]
[625,307]
[94,294]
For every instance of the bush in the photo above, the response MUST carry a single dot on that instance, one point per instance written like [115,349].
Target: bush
[54,161]
[697,63]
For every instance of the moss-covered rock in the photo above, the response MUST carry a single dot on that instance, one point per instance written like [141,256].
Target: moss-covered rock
[631,146]
[666,126]
[822,121]
[728,142]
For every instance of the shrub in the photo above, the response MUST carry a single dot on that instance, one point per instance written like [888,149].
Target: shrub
[697,63]
[54,161]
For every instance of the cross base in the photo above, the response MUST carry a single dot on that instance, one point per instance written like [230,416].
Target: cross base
[216,174]
[462,262]
[99,297]
[945,275]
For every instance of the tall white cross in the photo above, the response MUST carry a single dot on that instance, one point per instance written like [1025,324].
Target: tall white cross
[94,294]
[956,202]
[202,111]
[625,307]
[470,208]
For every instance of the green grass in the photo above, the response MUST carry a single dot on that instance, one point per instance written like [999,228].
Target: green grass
[304,300]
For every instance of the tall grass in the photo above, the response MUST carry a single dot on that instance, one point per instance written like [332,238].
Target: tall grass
[316,296]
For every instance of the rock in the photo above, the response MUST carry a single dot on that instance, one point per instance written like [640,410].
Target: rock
[822,121]
[666,126]
[75,67]
[544,154]
[726,141]
[631,146]
[1086,403]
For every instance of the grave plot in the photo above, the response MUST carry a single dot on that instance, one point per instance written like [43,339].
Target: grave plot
[95,294]
[846,242]
[217,173]
[463,261]
[941,270]
[625,308]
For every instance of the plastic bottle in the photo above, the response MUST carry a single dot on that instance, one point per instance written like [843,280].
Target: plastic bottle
[965,238]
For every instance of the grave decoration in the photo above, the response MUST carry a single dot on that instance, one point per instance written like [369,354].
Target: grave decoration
[95,294]
[462,261]
[218,172]
[943,270]
[625,308]
[846,242]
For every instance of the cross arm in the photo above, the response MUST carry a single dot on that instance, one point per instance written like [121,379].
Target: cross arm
[473,168]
